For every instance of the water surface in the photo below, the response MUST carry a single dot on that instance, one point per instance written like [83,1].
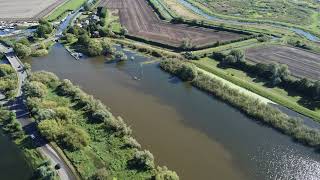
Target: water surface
[187,130]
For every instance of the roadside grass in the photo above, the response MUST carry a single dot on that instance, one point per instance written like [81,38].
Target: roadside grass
[63,9]
[240,78]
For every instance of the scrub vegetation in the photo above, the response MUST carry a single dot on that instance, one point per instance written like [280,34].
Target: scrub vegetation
[99,145]
[250,106]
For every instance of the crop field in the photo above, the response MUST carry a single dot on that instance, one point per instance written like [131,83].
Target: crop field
[140,20]
[26,10]
[301,63]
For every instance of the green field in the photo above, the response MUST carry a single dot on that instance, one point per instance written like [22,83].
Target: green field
[63,9]
[288,11]
[242,79]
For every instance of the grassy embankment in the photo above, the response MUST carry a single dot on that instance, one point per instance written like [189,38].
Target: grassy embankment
[98,144]
[293,16]
[251,106]
[61,11]
[242,79]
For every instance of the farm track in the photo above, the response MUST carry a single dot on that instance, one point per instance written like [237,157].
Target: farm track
[28,15]
[301,63]
[141,21]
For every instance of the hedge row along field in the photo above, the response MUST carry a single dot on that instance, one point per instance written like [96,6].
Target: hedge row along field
[250,106]
[99,145]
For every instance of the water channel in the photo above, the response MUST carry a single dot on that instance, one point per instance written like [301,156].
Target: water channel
[191,132]
[13,165]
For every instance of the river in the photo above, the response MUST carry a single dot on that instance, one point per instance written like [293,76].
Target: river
[191,132]
[13,165]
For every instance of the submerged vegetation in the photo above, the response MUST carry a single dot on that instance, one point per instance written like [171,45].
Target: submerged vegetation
[98,144]
[250,106]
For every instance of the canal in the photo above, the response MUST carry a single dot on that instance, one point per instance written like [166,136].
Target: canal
[187,130]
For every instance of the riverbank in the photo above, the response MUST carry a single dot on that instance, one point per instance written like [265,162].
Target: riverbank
[240,78]
[84,128]
[249,105]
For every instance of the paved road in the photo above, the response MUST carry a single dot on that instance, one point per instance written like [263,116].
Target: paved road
[28,125]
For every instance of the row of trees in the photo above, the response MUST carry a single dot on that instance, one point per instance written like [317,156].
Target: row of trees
[276,74]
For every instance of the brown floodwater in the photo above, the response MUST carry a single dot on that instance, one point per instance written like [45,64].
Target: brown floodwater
[187,130]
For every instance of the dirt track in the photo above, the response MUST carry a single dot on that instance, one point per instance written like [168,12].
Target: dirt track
[26,10]
[301,63]
[140,20]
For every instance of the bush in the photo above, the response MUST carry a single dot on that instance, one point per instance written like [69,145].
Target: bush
[22,50]
[35,89]
[120,56]
[164,174]
[40,52]
[144,159]
[47,78]
[131,142]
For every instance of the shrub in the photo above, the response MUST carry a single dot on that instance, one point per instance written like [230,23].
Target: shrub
[121,56]
[35,89]
[144,159]
[164,174]
[131,142]
[22,50]
[47,78]
[100,174]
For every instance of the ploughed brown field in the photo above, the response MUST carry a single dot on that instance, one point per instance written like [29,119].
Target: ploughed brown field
[141,21]
[301,63]
[26,10]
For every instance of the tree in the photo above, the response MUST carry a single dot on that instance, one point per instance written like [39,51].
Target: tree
[50,129]
[279,72]
[35,89]
[86,6]
[238,55]
[188,72]
[94,48]
[83,39]
[316,90]
[123,31]
[44,28]
[45,172]
[22,50]
[75,138]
